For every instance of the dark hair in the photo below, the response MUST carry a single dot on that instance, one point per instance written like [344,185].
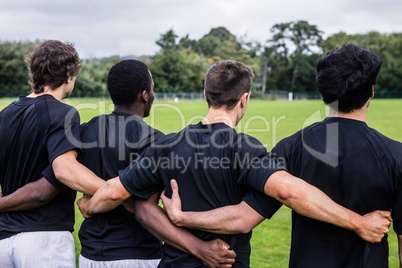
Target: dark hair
[347,75]
[126,80]
[51,63]
[225,82]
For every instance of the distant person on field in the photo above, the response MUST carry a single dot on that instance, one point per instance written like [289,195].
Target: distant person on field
[215,167]
[355,165]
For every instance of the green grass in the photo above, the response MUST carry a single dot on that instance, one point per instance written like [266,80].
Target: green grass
[269,121]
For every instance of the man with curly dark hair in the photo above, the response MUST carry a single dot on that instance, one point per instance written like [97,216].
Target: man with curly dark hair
[37,131]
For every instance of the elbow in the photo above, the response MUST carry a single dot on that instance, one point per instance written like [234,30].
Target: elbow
[60,170]
[42,200]
[287,193]
[144,210]
[116,197]
[244,227]
[114,194]
[284,195]
[140,215]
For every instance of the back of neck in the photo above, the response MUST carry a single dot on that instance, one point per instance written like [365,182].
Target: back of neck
[220,115]
[360,114]
[130,110]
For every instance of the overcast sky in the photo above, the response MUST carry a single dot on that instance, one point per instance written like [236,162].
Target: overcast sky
[101,28]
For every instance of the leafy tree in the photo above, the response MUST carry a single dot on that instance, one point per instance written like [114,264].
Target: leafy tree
[167,40]
[176,68]
[300,37]
[221,44]
[14,73]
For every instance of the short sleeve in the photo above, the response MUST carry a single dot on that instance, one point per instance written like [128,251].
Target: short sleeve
[51,178]
[254,163]
[263,204]
[141,178]
[63,133]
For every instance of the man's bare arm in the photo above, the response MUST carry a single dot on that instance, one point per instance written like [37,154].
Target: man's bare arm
[213,253]
[30,196]
[294,193]
[233,219]
[311,202]
[75,175]
[109,196]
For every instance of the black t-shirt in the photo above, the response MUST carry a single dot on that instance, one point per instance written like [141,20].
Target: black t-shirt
[33,132]
[110,143]
[214,167]
[358,168]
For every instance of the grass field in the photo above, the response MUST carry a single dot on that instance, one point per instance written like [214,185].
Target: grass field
[269,121]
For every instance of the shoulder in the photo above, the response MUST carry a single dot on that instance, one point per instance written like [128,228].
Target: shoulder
[59,111]
[8,109]
[395,147]
[143,126]
[286,146]
[87,126]
[245,144]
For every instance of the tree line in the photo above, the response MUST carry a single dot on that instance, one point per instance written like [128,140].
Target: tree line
[285,62]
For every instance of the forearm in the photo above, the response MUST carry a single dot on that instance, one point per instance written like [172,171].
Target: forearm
[108,197]
[233,219]
[155,220]
[309,201]
[30,196]
[76,176]
[102,202]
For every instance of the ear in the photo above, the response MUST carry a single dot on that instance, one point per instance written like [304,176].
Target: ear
[144,96]
[372,92]
[244,99]
[205,96]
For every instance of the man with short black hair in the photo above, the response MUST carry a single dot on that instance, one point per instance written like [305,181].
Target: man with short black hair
[207,160]
[362,167]
[355,165]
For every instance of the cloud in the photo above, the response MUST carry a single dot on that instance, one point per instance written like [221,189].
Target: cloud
[130,27]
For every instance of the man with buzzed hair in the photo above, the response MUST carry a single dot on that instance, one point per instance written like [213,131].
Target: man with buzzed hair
[209,166]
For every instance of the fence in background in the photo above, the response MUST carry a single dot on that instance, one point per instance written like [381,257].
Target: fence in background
[271,95]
